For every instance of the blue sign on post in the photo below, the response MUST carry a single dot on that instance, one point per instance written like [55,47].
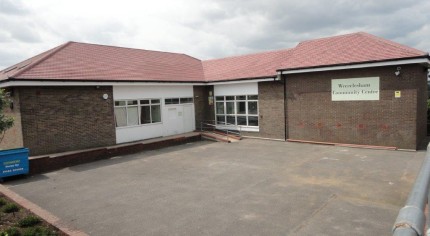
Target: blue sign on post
[13,162]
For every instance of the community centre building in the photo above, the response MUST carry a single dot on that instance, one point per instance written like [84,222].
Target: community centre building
[352,89]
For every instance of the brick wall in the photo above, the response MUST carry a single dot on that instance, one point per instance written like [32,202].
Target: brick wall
[422,113]
[390,121]
[58,119]
[271,111]
[203,111]
[13,136]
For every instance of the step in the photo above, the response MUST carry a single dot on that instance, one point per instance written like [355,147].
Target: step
[218,137]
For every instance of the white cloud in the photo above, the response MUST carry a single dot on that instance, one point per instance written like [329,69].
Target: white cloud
[203,29]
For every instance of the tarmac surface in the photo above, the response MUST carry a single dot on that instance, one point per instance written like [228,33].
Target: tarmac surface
[251,187]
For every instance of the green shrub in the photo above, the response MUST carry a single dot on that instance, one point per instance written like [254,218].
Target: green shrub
[10,207]
[12,231]
[2,202]
[39,231]
[29,221]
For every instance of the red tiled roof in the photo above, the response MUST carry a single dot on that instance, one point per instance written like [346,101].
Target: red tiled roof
[347,49]
[24,65]
[81,61]
[255,65]
[90,62]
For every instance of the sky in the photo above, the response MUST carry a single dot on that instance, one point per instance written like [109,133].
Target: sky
[202,28]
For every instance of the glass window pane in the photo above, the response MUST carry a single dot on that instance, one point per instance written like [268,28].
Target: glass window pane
[119,103]
[231,120]
[132,116]
[230,107]
[186,100]
[132,102]
[229,98]
[120,116]
[252,120]
[171,101]
[144,102]
[241,107]
[241,120]
[220,119]
[219,98]
[219,107]
[155,101]
[252,97]
[145,115]
[252,108]
[241,97]
[156,113]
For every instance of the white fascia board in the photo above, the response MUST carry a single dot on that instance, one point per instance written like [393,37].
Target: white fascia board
[17,83]
[240,81]
[356,66]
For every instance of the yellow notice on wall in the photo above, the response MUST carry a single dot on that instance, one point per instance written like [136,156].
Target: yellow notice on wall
[397,94]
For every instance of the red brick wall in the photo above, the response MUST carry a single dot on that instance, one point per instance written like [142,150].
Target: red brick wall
[271,110]
[58,119]
[390,121]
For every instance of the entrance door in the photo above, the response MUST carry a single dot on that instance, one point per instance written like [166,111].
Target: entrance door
[175,120]
[189,123]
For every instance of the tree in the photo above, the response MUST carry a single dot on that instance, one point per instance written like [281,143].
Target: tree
[5,121]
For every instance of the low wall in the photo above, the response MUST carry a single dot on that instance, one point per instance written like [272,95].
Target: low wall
[52,162]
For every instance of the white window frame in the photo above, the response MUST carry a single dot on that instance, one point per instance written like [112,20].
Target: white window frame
[150,104]
[179,100]
[139,105]
[235,114]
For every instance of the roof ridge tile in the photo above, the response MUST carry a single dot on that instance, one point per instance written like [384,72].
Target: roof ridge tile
[43,58]
[392,43]
[134,49]
[329,37]
[250,54]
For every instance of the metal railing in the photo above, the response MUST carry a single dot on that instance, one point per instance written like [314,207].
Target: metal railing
[411,220]
[223,128]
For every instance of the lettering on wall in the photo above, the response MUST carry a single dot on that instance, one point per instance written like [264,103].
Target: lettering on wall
[356,89]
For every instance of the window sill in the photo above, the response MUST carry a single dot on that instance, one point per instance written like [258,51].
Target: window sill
[136,126]
[241,128]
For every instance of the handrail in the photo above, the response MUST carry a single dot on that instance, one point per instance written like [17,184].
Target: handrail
[411,218]
[204,127]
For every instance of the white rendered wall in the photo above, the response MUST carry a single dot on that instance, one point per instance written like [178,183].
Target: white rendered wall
[236,89]
[140,132]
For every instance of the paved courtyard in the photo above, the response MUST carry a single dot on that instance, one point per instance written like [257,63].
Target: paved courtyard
[252,187]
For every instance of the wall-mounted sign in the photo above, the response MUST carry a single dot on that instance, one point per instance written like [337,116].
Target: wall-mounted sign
[397,94]
[356,89]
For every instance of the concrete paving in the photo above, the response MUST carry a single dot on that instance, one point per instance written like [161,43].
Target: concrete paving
[252,187]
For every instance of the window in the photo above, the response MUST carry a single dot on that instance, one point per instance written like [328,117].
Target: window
[126,113]
[237,110]
[150,111]
[170,101]
[186,100]
[137,112]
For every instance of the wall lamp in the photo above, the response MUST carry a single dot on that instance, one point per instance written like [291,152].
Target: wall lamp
[397,73]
